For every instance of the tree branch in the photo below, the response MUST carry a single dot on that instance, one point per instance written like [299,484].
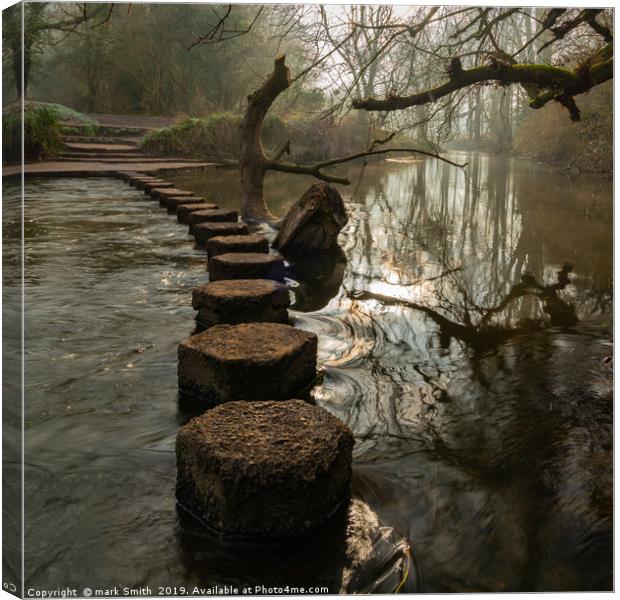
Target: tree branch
[316,169]
[555,83]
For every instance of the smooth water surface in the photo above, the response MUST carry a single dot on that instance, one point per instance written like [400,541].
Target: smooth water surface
[491,454]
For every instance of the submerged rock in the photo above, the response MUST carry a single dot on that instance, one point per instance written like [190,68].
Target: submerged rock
[241,301]
[237,243]
[252,361]
[246,265]
[313,222]
[264,469]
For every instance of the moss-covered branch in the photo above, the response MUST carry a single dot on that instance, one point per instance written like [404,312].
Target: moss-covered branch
[543,83]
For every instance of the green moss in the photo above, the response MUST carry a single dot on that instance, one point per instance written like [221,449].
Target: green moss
[216,136]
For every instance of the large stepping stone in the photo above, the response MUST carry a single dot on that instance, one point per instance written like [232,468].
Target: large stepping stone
[211,216]
[163,194]
[250,361]
[246,265]
[237,243]
[185,209]
[174,201]
[235,301]
[203,232]
[264,469]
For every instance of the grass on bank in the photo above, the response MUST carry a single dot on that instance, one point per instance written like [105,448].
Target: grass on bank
[216,137]
[44,125]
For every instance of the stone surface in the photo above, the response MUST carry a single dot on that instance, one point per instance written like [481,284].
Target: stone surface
[203,232]
[237,243]
[264,469]
[174,201]
[148,186]
[141,182]
[241,301]
[211,216]
[127,175]
[162,194]
[251,361]
[184,210]
[246,265]
[313,222]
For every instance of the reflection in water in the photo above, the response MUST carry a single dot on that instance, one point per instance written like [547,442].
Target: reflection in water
[494,461]
[315,279]
[474,325]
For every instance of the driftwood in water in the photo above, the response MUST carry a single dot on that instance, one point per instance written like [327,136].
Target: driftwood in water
[313,222]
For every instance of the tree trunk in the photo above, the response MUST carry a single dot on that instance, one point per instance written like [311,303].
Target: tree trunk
[252,160]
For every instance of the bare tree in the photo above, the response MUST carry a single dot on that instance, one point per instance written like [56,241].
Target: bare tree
[254,163]
[542,83]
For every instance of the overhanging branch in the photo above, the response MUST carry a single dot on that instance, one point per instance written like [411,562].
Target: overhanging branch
[552,83]
[316,169]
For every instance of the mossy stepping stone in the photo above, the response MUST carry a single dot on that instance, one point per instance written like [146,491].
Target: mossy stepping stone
[211,216]
[175,201]
[147,186]
[237,243]
[184,210]
[235,301]
[246,265]
[264,470]
[162,194]
[203,232]
[250,361]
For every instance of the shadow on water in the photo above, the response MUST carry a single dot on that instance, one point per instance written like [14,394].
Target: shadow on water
[354,552]
[316,279]
[493,459]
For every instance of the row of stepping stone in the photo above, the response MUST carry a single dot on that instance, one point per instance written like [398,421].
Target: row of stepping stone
[259,462]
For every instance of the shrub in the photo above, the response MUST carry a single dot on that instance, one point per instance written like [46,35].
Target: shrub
[548,134]
[42,135]
[217,137]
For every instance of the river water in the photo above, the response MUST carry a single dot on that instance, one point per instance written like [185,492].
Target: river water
[488,448]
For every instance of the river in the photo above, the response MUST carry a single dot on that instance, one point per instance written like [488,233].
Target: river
[491,453]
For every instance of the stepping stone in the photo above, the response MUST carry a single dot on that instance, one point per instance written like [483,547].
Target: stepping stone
[237,243]
[143,184]
[184,210]
[233,301]
[174,201]
[246,265]
[162,194]
[211,216]
[203,232]
[264,469]
[138,179]
[157,184]
[127,175]
[251,361]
